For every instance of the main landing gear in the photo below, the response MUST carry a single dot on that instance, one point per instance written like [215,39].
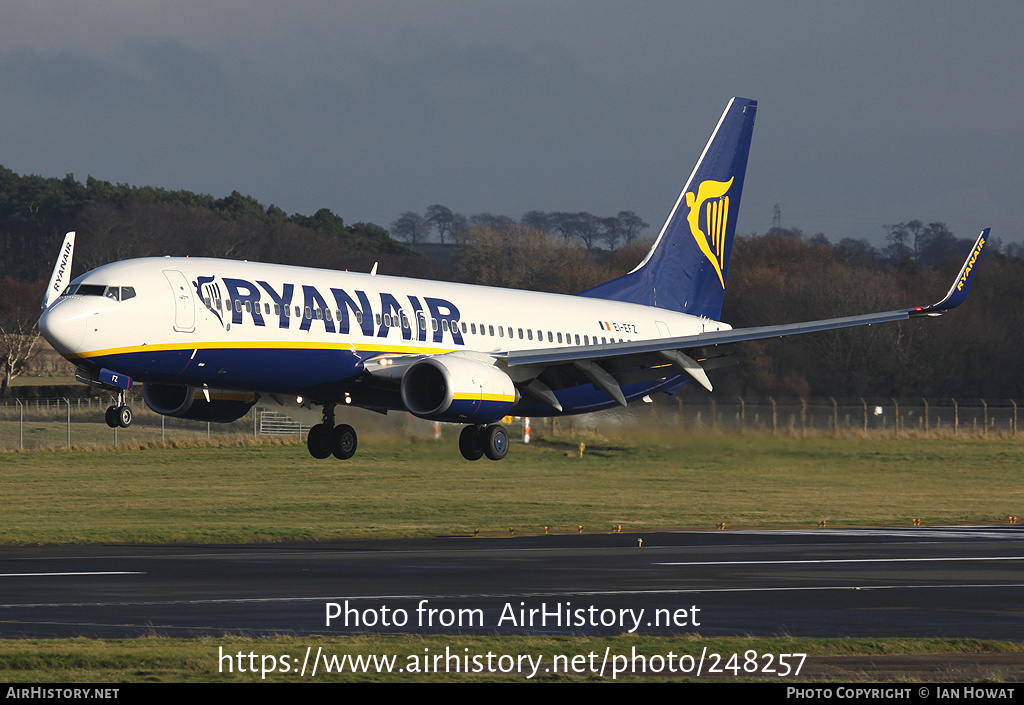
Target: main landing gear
[478,441]
[119,415]
[325,438]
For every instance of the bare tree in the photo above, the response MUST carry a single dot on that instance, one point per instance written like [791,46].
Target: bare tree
[612,231]
[631,224]
[898,250]
[581,226]
[538,220]
[444,221]
[490,220]
[936,243]
[19,312]
[588,228]
[410,227]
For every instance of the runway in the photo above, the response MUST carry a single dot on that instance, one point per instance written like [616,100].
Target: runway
[941,582]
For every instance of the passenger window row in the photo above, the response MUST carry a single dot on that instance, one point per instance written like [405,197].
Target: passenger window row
[389,320]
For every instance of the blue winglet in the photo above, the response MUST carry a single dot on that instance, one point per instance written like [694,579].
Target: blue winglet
[958,292]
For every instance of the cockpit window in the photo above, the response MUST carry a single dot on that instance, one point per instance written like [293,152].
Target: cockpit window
[89,290]
[117,293]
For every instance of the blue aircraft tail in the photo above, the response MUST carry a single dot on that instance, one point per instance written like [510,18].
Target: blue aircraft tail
[688,265]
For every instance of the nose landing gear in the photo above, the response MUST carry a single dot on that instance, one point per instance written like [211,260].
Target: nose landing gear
[119,415]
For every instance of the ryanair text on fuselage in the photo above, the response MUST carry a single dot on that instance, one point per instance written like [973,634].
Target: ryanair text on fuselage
[262,302]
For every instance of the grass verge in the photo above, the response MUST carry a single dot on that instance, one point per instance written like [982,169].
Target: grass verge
[415,487]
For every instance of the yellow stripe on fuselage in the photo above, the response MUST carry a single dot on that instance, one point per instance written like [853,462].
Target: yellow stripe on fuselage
[265,345]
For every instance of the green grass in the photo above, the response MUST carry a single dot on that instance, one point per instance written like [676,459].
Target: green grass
[244,493]
[43,380]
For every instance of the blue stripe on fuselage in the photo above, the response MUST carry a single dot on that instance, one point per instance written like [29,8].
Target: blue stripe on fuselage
[284,370]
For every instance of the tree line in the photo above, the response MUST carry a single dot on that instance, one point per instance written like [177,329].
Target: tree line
[119,220]
[587,229]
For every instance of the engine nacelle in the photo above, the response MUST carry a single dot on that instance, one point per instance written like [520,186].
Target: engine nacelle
[190,402]
[450,388]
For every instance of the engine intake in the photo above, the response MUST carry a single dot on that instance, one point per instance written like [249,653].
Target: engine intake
[190,402]
[449,388]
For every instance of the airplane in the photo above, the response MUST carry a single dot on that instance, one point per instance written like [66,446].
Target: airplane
[209,337]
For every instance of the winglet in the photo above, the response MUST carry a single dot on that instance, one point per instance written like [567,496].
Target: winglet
[961,285]
[61,271]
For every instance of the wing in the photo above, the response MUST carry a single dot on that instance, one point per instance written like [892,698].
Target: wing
[610,367]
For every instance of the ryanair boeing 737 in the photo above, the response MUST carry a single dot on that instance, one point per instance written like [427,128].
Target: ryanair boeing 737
[208,337]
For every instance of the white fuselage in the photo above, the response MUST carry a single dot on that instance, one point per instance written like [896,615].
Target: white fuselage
[264,327]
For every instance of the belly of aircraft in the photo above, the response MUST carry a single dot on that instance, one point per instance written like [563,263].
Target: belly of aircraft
[281,370]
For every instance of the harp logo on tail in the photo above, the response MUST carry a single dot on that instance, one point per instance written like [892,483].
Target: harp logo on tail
[712,201]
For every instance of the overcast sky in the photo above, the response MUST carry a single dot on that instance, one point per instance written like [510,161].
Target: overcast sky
[870,113]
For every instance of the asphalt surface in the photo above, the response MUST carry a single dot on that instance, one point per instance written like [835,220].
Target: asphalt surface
[940,582]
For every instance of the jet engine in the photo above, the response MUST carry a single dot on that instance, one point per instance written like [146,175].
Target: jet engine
[451,388]
[190,402]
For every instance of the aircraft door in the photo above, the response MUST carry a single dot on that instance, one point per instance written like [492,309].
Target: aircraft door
[184,301]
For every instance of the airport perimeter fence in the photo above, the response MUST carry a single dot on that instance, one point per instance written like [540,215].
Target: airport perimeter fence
[33,424]
[915,417]
[29,424]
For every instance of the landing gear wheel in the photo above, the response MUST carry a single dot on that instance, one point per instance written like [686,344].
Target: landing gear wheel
[118,416]
[319,441]
[495,442]
[344,446]
[470,443]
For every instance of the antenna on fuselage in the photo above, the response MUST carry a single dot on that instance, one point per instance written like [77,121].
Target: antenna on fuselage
[373,270]
[61,271]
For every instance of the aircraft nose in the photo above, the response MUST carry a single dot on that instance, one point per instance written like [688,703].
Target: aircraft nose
[63,327]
